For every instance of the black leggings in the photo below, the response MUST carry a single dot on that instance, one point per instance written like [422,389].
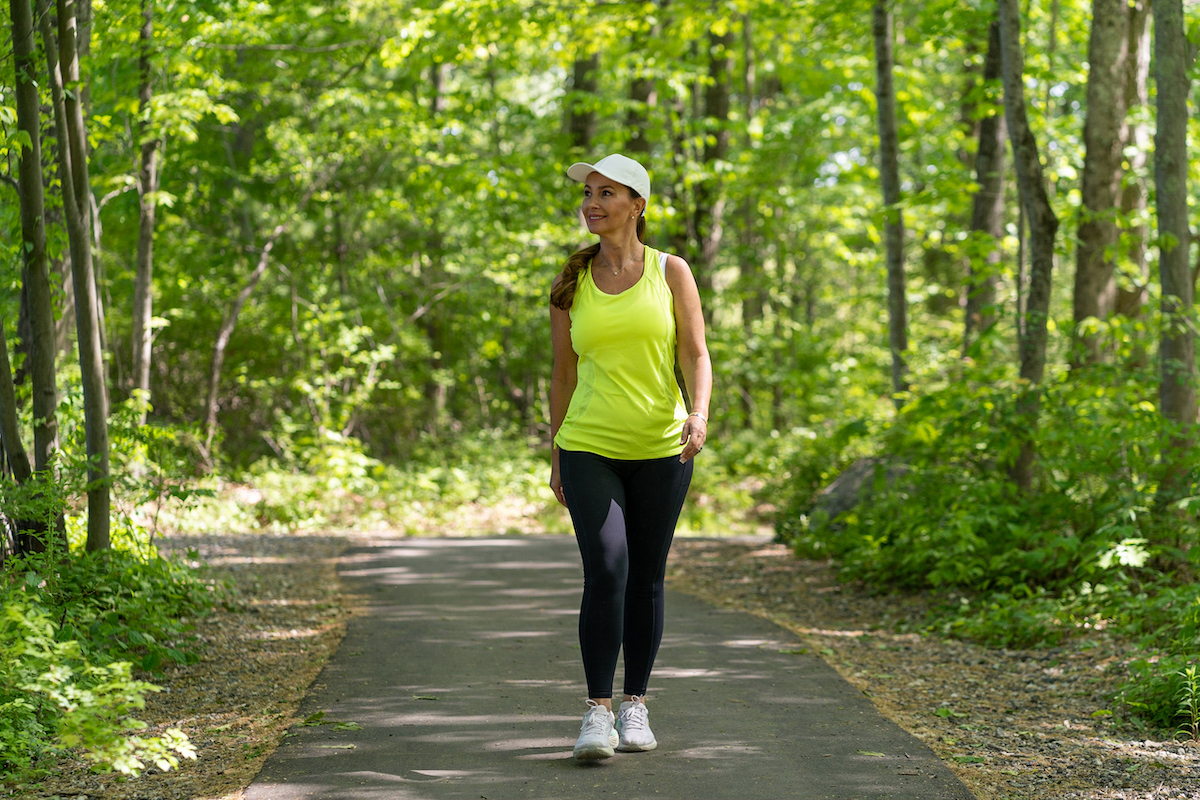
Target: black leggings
[624,514]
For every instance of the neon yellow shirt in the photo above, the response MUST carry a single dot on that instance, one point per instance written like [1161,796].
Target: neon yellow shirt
[627,403]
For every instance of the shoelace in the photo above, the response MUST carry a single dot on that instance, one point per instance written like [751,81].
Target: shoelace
[596,718]
[636,716]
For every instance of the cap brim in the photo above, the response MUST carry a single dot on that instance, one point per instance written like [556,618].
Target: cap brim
[580,170]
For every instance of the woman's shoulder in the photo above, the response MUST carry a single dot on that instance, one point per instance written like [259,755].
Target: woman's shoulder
[677,272]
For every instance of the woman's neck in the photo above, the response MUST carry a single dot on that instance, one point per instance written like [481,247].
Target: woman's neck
[619,252]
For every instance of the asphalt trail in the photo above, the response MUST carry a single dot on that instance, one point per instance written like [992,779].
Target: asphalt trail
[462,679]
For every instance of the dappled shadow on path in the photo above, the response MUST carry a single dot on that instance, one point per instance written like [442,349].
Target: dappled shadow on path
[463,679]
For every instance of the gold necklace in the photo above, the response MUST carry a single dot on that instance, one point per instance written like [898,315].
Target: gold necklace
[614,271]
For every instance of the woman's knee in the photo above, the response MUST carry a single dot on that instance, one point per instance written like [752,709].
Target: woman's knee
[607,576]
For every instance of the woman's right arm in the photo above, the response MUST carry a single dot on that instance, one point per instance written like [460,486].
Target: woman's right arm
[562,385]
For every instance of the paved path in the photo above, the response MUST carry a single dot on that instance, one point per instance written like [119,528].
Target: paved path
[463,680]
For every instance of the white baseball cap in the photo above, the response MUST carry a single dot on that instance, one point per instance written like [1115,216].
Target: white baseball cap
[622,169]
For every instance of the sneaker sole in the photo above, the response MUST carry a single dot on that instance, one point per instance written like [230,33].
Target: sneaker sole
[593,753]
[637,748]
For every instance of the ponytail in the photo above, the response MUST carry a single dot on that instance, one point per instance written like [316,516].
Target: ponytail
[562,295]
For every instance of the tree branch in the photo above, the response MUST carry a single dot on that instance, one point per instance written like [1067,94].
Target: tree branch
[115,193]
[437,298]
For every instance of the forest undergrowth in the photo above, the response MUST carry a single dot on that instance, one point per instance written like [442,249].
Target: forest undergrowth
[1095,546]
[1078,557]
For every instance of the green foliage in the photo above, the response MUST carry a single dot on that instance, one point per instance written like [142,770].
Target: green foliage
[74,625]
[90,707]
[955,520]
[1089,549]
[1162,691]
[68,627]
[1188,702]
[390,368]
[485,482]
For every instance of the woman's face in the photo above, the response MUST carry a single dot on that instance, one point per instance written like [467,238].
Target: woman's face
[608,206]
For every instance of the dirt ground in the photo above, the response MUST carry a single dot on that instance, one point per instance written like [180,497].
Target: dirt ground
[1015,725]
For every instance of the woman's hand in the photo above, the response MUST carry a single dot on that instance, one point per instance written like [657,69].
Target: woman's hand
[695,432]
[556,480]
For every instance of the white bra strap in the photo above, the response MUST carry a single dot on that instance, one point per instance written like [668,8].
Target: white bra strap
[662,262]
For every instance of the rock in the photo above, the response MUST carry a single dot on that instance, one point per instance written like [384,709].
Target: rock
[855,485]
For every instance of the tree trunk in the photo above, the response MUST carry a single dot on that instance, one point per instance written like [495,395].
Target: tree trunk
[1043,227]
[10,427]
[641,97]
[61,270]
[83,47]
[751,285]
[678,192]
[437,98]
[223,335]
[143,286]
[710,194]
[35,278]
[1177,364]
[987,213]
[1134,196]
[1103,137]
[641,91]
[581,108]
[63,72]
[889,174]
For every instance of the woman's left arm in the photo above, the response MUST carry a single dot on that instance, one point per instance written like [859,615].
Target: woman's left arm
[692,352]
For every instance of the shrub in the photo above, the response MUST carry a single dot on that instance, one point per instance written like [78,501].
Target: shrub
[71,628]
[1090,545]
[52,697]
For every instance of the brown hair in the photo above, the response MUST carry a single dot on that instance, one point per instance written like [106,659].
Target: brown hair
[562,295]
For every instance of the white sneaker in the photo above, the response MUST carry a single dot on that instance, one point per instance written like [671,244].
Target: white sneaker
[633,727]
[597,739]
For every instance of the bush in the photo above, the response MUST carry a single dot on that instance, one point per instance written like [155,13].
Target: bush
[71,629]
[50,693]
[1090,546]
[956,520]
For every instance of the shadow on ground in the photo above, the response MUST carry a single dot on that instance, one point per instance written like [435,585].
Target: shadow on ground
[462,679]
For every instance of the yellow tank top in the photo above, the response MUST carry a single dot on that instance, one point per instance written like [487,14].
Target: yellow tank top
[626,404]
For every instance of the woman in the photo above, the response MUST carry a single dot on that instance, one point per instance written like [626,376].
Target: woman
[620,314]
